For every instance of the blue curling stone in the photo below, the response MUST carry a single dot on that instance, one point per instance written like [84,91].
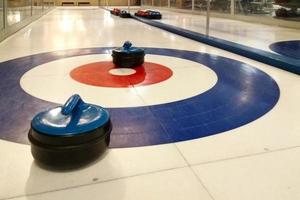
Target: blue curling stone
[70,135]
[128,56]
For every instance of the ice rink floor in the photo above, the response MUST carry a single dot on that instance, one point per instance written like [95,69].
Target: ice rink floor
[219,127]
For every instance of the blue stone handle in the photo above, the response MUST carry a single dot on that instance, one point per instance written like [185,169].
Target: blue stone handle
[127,45]
[71,105]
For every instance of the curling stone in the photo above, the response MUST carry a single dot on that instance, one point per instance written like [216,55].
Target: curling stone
[73,134]
[281,12]
[128,56]
[124,14]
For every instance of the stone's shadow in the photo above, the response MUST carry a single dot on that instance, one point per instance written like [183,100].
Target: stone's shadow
[46,179]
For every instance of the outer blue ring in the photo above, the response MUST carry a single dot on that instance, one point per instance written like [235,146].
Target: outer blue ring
[241,95]
[290,49]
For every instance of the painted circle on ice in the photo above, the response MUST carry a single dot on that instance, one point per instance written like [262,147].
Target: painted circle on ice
[106,74]
[186,81]
[290,49]
[122,71]
[241,95]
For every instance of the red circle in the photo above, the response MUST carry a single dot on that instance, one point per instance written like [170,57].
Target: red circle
[97,74]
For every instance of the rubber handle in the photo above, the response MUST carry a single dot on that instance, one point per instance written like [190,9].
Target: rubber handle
[71,105]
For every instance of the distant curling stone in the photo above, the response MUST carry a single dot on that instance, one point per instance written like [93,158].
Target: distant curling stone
[148,13]
[128,56]
[124,14]
[70,135]
[115,11]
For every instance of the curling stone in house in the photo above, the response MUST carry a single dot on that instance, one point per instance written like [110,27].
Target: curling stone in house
[72,134]
[128,56]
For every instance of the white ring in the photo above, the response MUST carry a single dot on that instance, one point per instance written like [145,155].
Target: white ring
[122,71]
[52,82]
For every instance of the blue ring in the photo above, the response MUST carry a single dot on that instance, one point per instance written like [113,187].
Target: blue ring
[242,94]
[290,49]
